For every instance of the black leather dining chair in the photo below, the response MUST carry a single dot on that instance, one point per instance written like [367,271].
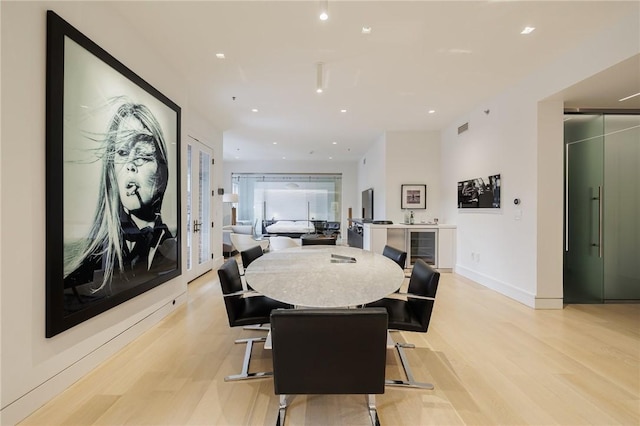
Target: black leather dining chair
[411,311]
[248,256]
[245,308]
[398,256]
[329,351]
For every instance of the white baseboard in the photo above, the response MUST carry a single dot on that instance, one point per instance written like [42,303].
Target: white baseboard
[21,408]
[510,291]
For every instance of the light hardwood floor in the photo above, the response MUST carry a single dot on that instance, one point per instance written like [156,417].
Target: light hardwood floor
[492,360]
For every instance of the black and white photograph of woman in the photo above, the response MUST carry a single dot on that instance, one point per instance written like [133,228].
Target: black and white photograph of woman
[128,243]
[113,181]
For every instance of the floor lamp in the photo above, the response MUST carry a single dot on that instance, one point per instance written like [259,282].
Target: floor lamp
[232,199]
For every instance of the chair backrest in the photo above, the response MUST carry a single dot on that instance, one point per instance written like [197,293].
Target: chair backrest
[398,256]
[280,243]
[242,242]
[329,351]
[423,282]
[250,254]
[230,281]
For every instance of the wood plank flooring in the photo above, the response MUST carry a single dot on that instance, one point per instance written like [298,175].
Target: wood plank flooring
[492,360]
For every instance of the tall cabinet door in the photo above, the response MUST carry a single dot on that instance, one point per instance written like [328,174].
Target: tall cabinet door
[199,210]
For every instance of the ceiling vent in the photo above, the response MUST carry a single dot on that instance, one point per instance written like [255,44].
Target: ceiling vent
[463,128]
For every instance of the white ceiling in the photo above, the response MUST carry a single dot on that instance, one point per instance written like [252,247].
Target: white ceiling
[448,56]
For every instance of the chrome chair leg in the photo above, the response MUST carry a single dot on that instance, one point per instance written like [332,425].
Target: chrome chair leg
[244,375]
[260,327]
[410,382]
[373,412]
[282,411]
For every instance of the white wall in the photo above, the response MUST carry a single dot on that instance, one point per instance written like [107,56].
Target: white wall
[398,158]
[372,174]
[350,198]
[518,249]
[413,158]
[34,368]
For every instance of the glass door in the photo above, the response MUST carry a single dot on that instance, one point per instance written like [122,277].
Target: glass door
[584,172]
[602,206]
[199,211]
[422,245]
[622,208]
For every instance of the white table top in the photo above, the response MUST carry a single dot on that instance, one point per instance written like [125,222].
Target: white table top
[306,277]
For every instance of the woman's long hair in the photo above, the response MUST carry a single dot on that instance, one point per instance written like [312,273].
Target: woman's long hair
[105,239]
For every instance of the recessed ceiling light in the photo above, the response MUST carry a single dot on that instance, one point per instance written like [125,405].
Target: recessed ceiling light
[275,143]
[527,30]
[432,111]
[629,97]
[324,10]
[220,55]
[284,158]
[343,110]
[334,143]
[330,158]
[366,30]
[254,110]
[319,90]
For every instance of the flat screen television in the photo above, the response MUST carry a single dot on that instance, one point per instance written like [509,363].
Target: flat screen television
[367,204]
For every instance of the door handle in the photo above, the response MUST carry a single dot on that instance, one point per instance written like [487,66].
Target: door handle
[599,200]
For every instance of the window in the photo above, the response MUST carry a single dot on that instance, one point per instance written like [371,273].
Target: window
[287,197]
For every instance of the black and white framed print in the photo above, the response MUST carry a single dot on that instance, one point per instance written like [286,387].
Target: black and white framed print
[414,197]
[113,181]
[479,193]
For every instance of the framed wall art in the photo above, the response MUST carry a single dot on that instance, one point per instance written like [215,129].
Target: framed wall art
[414,197]
[479,193]
[113,181]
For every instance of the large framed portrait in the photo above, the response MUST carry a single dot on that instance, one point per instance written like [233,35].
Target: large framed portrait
[113,181]
[413,197]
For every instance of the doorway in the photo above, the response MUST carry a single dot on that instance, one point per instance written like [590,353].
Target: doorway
[199,256]
[602,208]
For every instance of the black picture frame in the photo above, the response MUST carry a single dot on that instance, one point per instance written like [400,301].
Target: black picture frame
[112,181]
[413,197]
[479,193]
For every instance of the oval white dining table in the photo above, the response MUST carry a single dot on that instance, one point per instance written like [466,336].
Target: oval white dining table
[309,276]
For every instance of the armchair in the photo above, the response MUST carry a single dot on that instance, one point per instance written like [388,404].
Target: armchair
[242,242]
[280,243]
